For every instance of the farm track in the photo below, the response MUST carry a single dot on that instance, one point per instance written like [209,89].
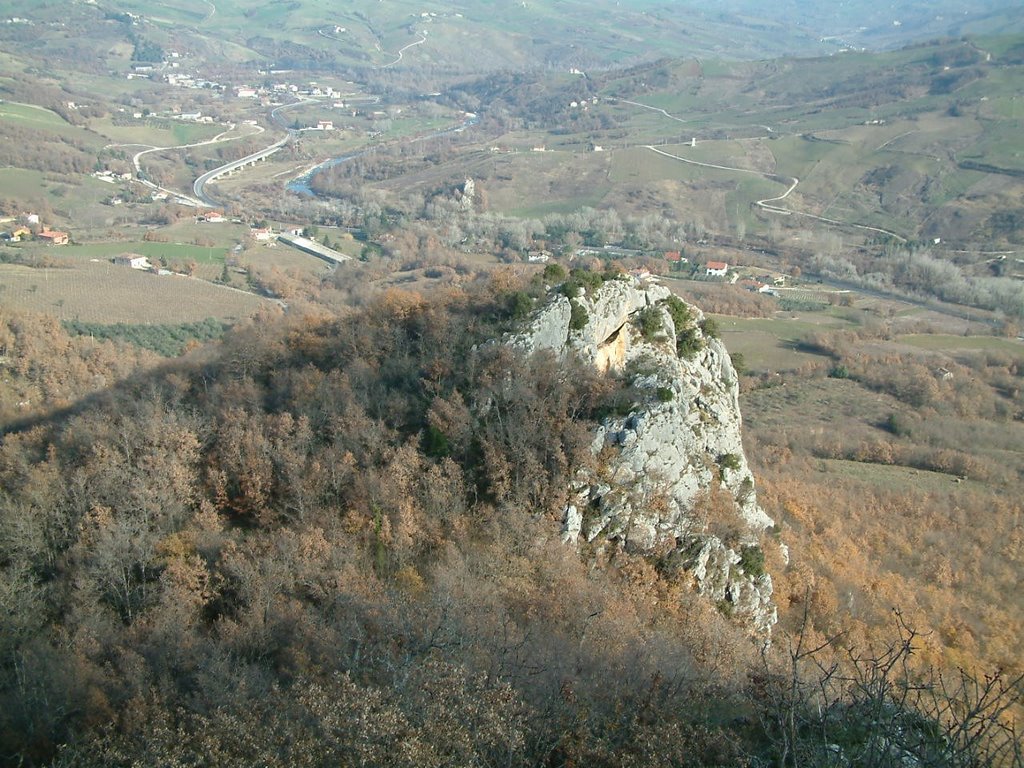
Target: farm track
[766,203]
[401,51]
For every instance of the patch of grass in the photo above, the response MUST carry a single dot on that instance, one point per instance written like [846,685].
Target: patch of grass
[949,342]
[160,133]
[888,476]
[30,115]
[21,183]
[773,343]
[164,339]
[172,252]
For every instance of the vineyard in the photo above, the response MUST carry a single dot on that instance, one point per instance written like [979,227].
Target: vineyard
[102,293]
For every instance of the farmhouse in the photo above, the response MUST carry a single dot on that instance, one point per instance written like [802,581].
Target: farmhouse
[53,237]
[133,260]
[20,233]
[755,286]
[716,268]
[263,234]
[212,217]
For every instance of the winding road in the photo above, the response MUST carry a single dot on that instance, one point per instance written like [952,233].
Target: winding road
[402,50]
[149,148]
[767,203]
[654,109]
[199,185]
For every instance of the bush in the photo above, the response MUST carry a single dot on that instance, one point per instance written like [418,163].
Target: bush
[839,372]
[578,317]
[519,305]
[587,279]
[867,710]
[752,560]
[898,424]
[710,327]
[650,321]
[665,394]
[166,340]
[728,461]
[688,342]
[679,312]
[554,273]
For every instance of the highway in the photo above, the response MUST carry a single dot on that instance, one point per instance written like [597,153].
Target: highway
[198,187]
[182,198]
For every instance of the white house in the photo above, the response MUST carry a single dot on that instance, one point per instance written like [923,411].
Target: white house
[716,268]
[132,260]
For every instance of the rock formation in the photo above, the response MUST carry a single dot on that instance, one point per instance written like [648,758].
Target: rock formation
[672,474]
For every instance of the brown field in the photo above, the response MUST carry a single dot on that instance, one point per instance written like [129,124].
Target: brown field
[99,292]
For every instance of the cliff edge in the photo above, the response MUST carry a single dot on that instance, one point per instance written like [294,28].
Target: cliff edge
[672,478]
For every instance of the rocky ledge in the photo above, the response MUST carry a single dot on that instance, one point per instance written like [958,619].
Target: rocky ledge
[672,477]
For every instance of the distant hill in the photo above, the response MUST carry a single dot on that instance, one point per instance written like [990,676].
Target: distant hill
[474,36]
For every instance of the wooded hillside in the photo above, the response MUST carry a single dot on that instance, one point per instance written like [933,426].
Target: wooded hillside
[326,541]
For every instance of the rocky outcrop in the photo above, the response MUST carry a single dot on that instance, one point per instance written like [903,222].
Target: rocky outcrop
[672,474]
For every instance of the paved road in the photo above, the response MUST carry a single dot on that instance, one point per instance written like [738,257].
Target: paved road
[198,186]
[402,50]
[149,148]
[766,203]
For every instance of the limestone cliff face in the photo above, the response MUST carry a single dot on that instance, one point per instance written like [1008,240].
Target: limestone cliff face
[672,474]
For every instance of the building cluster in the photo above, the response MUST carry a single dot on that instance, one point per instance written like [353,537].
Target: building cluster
[29,227]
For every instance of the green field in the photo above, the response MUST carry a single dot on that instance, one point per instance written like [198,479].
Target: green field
[31,116]
[890,477]
[772,344]
[173,252]
[159,133]
[949,343]
[21,183]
